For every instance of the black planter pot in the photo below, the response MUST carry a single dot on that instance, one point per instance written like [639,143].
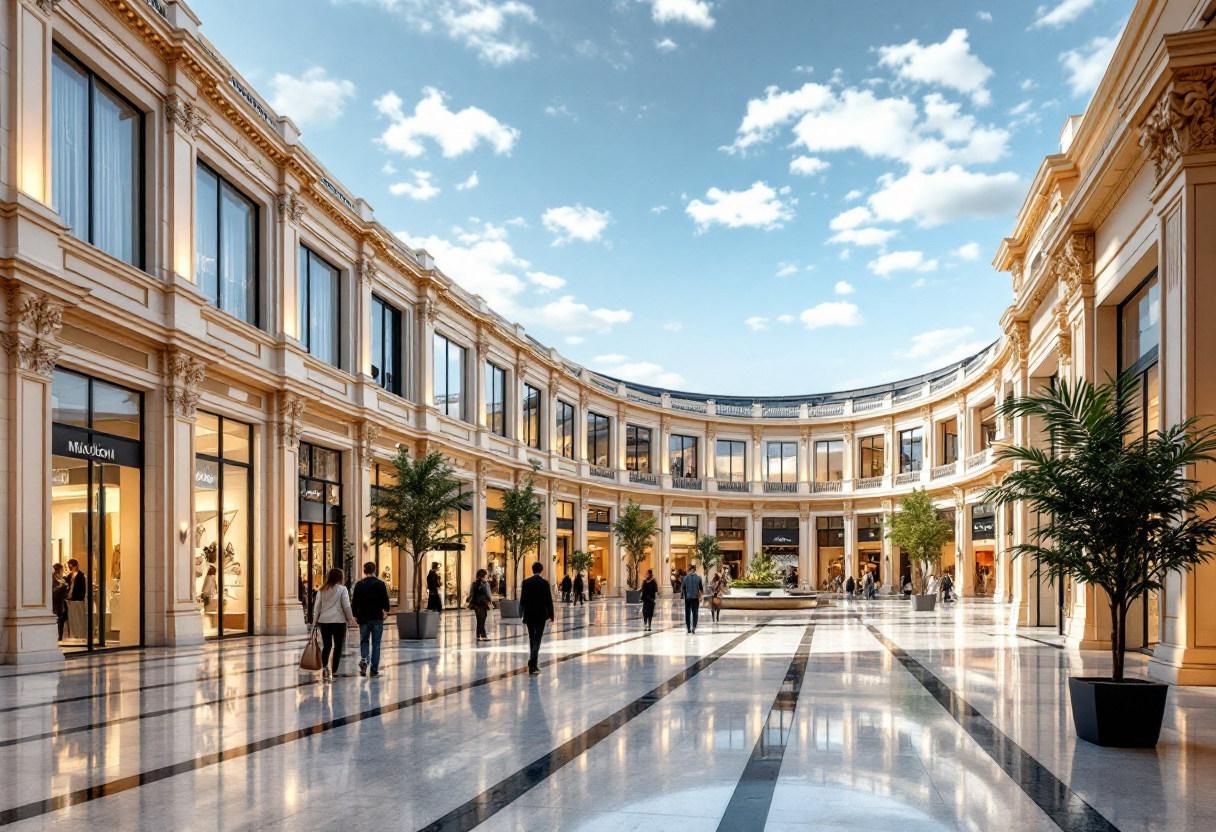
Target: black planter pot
[633,596]
[1125,714]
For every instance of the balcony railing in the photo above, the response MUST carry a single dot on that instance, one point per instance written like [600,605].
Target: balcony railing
[643,398]
[947,470]
[833,409]
[867,404]
[688,406]
[734,485]
[825,487]
[908,395]
[606,473]
[741,410]
[907,478]
[603,385]
[943,383]
[866,483]
[688,483]
[781,411]
[976,460]
[639,478]
[781,488]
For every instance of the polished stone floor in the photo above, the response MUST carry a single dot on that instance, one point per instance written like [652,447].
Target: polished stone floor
[852,717]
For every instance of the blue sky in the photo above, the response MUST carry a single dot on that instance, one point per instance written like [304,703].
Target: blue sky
[726,196]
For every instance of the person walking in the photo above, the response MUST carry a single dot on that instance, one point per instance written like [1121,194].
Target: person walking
[479,602]
[331,610]
[693,589]
[59,596]
[78,589]
[567,588]
[370,606]
[650,592]
[536,604]
[578,589]
[849,586]
[947,588]
[931,587]
[716,585]
[867,586]
[433,583]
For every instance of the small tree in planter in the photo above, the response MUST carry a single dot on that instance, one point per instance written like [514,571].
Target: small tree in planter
[1115,510]
[708,553]
[921,534]
[580,561]
[763,572]
[634,530]
[415,515]
[518,524]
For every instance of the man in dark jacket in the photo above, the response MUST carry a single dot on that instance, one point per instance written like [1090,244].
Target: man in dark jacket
[370,606]
[578,589]
[567,588]
[433,583]
[536,604]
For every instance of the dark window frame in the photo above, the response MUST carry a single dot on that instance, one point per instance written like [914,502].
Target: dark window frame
[731,476]
[223,182]
[866,445]
[388,313]
[533,417]
[686,443]
[633,441]
[463,351]
[565,430]
[599,429]
[769,458]
[304,303]
[828,456]
[916,438]
[496,382]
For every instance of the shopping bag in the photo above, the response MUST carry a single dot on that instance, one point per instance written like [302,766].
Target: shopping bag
[310,660]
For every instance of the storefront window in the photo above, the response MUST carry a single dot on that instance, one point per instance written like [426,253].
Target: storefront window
[911,450]
[448,380]
[683,456]
[732,536]
[225,245]
[781,462]
[637,449]
[319,541]
[829,460]
[683,538]
[779,537]
[564,511]
[496,558]
[1140,323]
[97,510]
[869,545]
[872,456]
[223,528]
[320,307]
[385,555]
[829,540]
[599,538]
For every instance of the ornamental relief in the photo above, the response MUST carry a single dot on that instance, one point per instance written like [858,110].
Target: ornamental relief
[290,426]
[183,374]
[1182,121]
[291,207]
[185,114]
[32,354]
[365,447]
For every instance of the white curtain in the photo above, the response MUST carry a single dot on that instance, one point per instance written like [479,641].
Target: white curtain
[206,234]
[115,175]
[70,145]
[323,310]
[236,256]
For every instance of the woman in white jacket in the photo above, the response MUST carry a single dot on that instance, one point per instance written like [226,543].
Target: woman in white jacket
[331,611]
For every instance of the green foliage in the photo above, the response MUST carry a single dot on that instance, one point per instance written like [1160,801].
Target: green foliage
[634,530]
[708,553]
[415,514]
[919,532]
[518,524]
[762,573]
[580,561]
[1115,509]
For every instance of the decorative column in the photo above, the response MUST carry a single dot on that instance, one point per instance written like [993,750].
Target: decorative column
[580,426]
[848,457]
[665,449]
[964,433]
[807,566]
[711,451]
[361,527]
[549,440]
[426,313]
[890,567]
[521,368]
[476,542]
[757,463]
[28,35]
[850,540]
[928,432]
[622,438]
[28,631]
[291,209]
[888,451]
[284,614]
[182,122]
[964,556]
[660,563]
[805,474]
[367,271]
[755,535]
[479,394]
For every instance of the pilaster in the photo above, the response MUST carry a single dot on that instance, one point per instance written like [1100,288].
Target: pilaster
[284,613]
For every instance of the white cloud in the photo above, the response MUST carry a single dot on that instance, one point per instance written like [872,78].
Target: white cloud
[919,283]
[786,269]
[832,313]
[808,166]
[575,222]
[862,237]
[546,282]
[949,64]
[897,261]
[455,133]
[640,372]
[852,195]
[314,99]
[756,323]
[947,195]
[967,251]
[1065,11]
[673,326]
[575,340]
[984,16]
[805,69]
[851,218]
[488,27]
[1022,108]
[666,45]
[470,183]
[843,287]
[1027,84]
[691,12]
[389,168]
[612,358]
[1086,64]
[567,315]
[658,209]
[757,207]
[560,110]
[942,346]
[421,189]
[785,319]
[766,115]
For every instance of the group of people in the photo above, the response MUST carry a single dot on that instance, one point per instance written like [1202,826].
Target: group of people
[334,609]
[69,589]
[572,590]
[865,588]
[692,590]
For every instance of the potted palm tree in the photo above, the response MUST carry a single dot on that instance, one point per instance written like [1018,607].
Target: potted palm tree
[518,524]
[635,529]
[708,553]
[920,533]
[1117,509]
[415,515]
[580,561]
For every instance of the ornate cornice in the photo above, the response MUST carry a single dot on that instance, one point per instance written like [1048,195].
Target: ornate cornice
[183,374]
[1182,121]
[289,426]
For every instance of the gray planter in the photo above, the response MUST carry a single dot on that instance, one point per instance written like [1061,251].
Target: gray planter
[633,596]
[509,609]
[924,603]
[417,626]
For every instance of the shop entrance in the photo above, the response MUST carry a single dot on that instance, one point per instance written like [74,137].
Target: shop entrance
[223,527]
[96,512]
[318,544]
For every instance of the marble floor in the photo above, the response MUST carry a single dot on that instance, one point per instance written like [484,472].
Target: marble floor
[859,716]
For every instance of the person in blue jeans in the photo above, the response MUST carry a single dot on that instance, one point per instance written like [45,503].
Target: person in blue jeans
[692,588]
[370,605]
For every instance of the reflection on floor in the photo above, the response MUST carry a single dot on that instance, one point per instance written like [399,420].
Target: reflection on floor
[857,716]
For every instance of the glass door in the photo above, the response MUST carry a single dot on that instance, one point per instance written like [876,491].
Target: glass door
[451,580]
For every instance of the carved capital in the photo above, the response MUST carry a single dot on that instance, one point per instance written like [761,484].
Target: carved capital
[926,413]
[960,401]
[32,313]
[757,433]
[365,447]
[1017,271]
[367,270]
[184,114]
[1075,264]
[1182,120]
[48,7]
[291,206]
[30,353]
[183,374]
[1019,341]
[290,425]
[584,399]
[431,310]
[960,497]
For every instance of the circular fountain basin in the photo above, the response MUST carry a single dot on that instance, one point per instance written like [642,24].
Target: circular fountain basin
[767,599]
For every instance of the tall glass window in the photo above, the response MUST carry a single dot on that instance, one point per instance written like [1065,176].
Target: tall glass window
[730,460]
[871,456]
[96,160]
[781,462]
[225,245]
[531,416]
[223,525]
[682,451]
[949,442]
[598,440]
[496,399]
[319,307]
[829,460]
[449,377]
[1140,323]
[911,450]
[386,345]
[637,449]
[565,429]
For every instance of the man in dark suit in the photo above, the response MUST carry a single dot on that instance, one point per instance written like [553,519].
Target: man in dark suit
[536,603]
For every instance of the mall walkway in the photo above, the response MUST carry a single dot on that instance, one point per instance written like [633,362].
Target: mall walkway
[854,717]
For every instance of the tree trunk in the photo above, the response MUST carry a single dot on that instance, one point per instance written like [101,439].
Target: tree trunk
[1118,640]
[417,583]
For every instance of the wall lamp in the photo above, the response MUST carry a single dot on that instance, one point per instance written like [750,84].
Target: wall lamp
[183,531]
[291,537]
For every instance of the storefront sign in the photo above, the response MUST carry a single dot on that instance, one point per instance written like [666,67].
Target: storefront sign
[83,444]
[598,527]
[565,524]
[779,537]
[206,475]
[730,534]
[983,526]
[252,102]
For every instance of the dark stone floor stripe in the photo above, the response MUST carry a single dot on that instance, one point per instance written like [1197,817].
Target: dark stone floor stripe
[502,794]
[145,778]
[1067,809]
[749,805]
